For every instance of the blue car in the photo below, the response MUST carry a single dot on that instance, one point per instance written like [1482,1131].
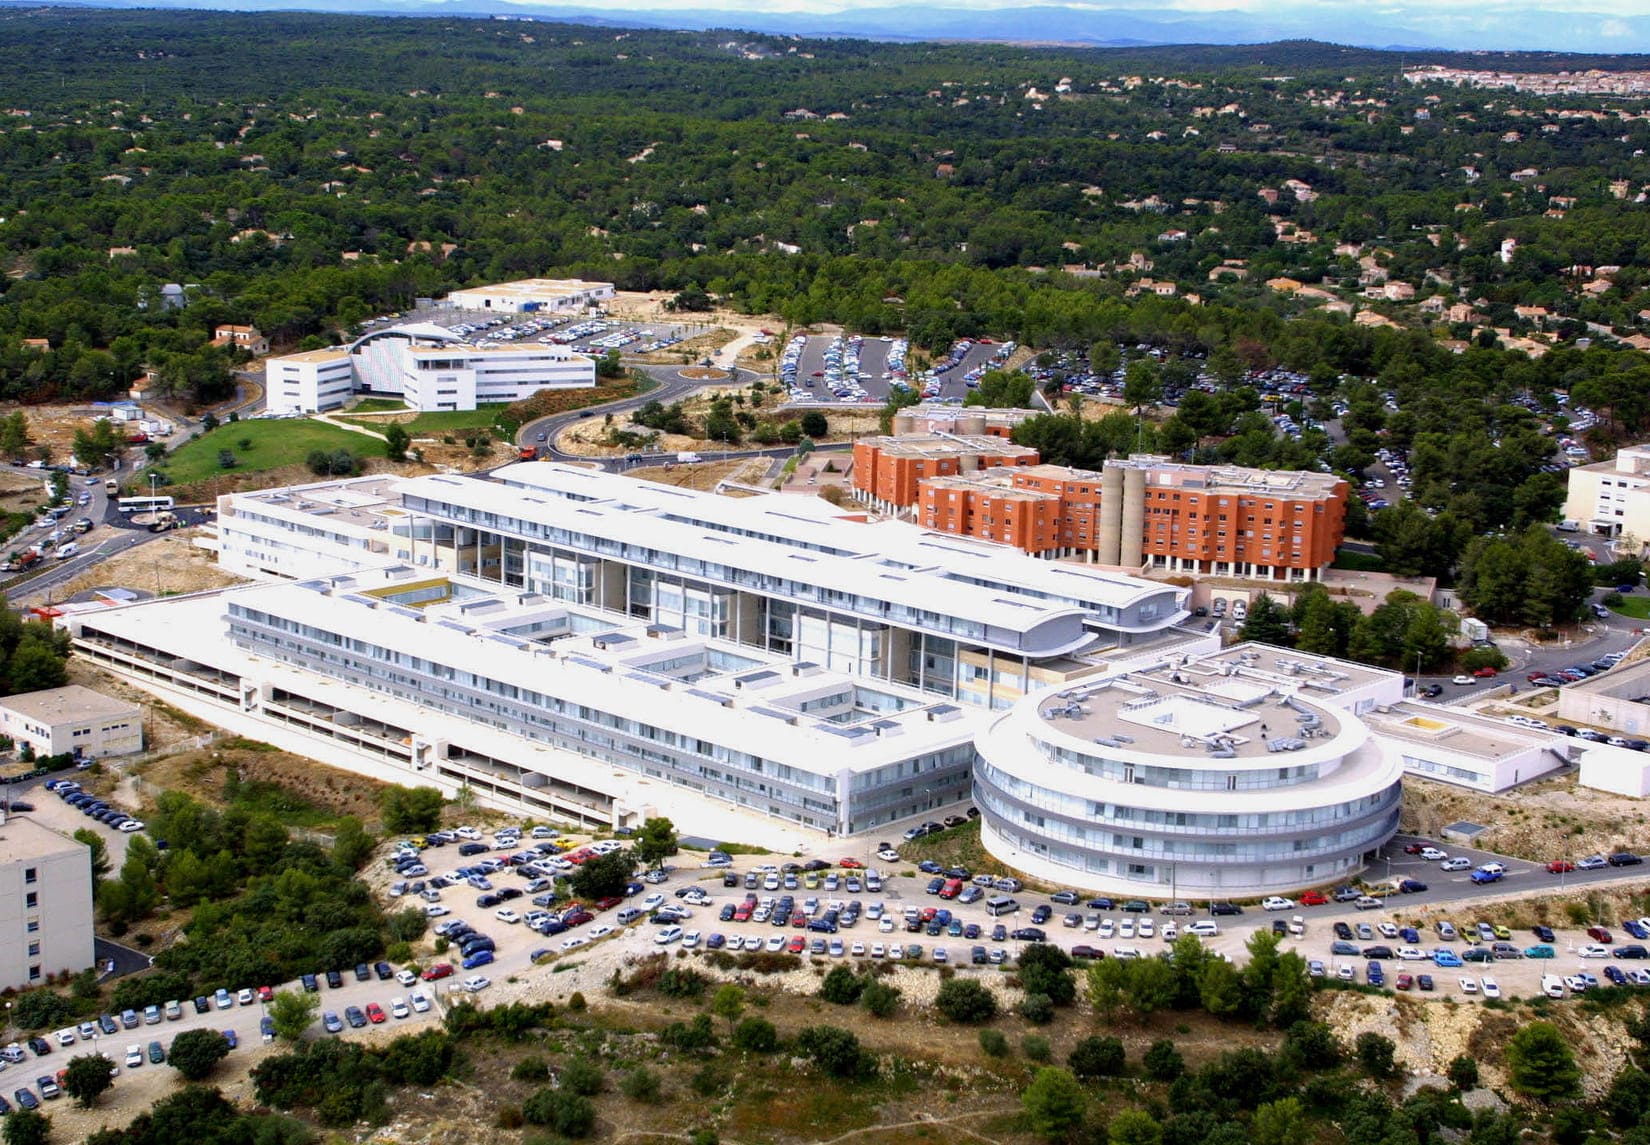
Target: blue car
[1375,975]
[1635,928]
[1444,958]
[479,958]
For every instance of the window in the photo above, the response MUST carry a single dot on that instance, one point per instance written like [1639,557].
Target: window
[34,950]
[32,900]
[34,925]
[30,875]
[34,973]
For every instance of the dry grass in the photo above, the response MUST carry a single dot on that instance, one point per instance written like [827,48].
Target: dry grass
[330,793]
[166,566]
[1538,821]
[705,475]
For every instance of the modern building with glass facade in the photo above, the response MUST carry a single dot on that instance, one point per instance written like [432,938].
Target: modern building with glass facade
[538,705]
[793,576]
[1243,773]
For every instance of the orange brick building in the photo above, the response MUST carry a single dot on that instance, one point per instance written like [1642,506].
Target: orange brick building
[1139,512]
[889,470]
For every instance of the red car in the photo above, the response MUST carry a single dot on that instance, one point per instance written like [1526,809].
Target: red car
[608,903]
[1485,672]
[439,970]
[1560,867]
[265,994]
[852,864]
[797,944]
[375,1013]
[1415,848]
[1404,982]
[1599,934]
[1314,898]
[576,918]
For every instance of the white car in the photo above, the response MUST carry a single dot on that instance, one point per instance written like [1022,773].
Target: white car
[653,902]
[1457,864]
[476,983]
[1491,988]
[690,939]
[877,950]
[596,932]
[131,825]
[1203,928]
[776,943]
[1413,954]
[1276,902]
[886,925]
[1594,950]
[575,942]
[1469,985]
[857,950]
[505,914]
[406,978]
[244,997]
[1106,928]
[1125,929]
[468,834]
[1433,855]
[134,1056]
[420,1004]
[1170,932]
[398,1008]
[1387,929]
[1146,928]
[888,855]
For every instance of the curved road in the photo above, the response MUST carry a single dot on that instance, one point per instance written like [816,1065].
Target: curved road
[542,433]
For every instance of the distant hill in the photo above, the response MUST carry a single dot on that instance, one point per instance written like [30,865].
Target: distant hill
[1392,26]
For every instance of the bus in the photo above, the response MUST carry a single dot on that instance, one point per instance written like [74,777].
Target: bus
[144,504]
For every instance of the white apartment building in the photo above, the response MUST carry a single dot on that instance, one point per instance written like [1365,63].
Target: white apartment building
[72,720]
[1244,773]
[1612,498]
[538,705]
[45,903]
[793,576]
[530,295]
[426,366]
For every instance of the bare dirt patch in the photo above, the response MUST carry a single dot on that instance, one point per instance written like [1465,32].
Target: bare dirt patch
[206,774]
[706,475]
[1541,821]
[167,566]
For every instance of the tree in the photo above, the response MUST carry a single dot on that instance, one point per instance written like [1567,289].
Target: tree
[1162,1061]
[1054,1103]
[756,1036]
[39,1009]
[351,845]
[1267,621]
[1134,1127]
[99,854]
[1046,969]
[27,1127]
[405,809]
[396,441]
[833,1049]
[1540,1064]
[815,424]
[1097,1056]
[1463,1072]
[569,1114]
[728,1003]
[842,986]
[604,876]
[87,1077]
[1280,1122]
[292,1012]
[963,1000]
[35,665]
[195,1053]
[654,842]
[1376,1054]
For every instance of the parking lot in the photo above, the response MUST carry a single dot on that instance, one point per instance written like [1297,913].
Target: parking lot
[586,334]
[851,369]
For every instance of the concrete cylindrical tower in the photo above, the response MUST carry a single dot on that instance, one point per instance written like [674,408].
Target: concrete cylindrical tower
[1134,517]
[1111,515]
[971,424]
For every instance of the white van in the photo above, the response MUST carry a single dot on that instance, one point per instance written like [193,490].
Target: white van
[1552,985]
[1000,904]
[630,914]
[67,551]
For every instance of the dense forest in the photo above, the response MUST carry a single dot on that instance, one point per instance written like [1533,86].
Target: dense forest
[303,173]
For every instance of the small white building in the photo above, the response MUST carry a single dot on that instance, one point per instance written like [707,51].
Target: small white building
[427,366]
[45,903]
[72,719]
[533,294]
[1455,746]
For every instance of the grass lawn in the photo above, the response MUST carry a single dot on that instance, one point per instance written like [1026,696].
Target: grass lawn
[1638,607]
[1354,561]
[271,444]
[435,423]
[379,405]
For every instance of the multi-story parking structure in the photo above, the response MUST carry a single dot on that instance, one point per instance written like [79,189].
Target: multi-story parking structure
[792,576]
[541,706]
[1238,774]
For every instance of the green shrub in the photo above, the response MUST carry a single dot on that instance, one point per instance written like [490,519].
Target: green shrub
[842,986]
[880,999]
[755,1036]
[962,1000]
[640,1084]
[530,1068]
[1036,1047]
[1097,1056]
[584,1077]
[566,1113]
[993,1043]
[1037,1008]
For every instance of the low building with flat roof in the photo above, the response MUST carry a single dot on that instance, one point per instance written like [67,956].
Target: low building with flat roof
[539,705]
[1243,773]
[73,720]
[528,295]
[1611,498]
[45,903]
[1454,746]
[1618,699]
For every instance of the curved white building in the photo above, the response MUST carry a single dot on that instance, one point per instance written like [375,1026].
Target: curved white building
[1241,774]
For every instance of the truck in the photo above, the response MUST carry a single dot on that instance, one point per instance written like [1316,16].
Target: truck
[1568,526]
[686,458]
[164,520]
[110,485]
[528,453]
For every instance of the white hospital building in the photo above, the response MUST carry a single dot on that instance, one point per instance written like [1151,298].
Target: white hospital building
[533,295]
[426,366]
